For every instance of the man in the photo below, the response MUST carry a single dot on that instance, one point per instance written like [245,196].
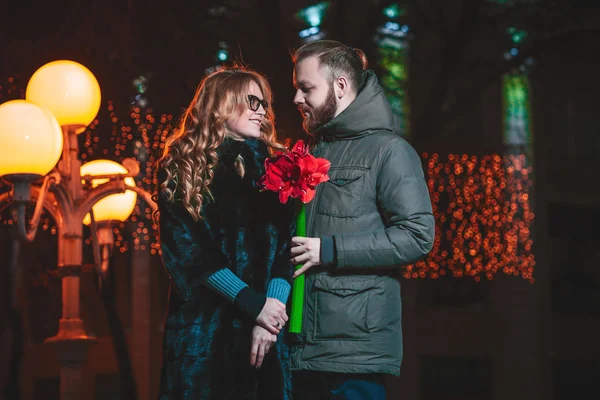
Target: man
[372,216]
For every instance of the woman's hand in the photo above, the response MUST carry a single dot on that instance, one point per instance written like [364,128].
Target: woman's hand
[262,341]
[273,316]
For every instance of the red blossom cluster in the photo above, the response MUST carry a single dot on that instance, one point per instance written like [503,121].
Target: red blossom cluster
[295,174]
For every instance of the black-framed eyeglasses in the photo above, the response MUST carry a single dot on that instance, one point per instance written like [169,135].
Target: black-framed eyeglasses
[254,103]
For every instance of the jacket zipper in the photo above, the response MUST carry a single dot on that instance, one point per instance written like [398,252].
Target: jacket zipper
[309,224]
[309,233]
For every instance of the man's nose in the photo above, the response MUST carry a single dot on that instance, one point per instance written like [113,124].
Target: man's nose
[298,98]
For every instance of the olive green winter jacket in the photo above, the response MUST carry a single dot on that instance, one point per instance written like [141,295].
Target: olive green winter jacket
[373,216]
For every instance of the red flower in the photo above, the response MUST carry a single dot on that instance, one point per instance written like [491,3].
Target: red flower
[300,149]
[295,174]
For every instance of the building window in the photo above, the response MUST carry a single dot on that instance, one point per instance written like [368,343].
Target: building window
[574,246]
[575,379]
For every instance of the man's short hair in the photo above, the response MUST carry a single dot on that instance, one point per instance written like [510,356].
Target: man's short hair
[339,58]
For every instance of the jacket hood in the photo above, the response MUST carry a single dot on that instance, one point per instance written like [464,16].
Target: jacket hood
[369,112]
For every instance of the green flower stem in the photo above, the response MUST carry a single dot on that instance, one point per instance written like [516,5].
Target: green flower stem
[298,285]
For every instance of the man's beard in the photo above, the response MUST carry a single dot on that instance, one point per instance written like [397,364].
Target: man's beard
[321,115]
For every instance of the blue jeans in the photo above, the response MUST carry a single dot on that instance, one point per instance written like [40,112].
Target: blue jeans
[311,385]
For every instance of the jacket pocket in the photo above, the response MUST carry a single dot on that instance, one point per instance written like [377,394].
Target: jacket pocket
[342,193]
[385,305]
[341,307]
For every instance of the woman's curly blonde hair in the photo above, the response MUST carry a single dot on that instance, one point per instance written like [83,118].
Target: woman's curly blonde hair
[190,155]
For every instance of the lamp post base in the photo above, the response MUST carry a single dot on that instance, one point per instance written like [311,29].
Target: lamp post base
[71,345]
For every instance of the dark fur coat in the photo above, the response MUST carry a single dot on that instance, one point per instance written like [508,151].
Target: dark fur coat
[206,347]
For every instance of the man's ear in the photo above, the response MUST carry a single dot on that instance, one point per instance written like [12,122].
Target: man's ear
[341,87]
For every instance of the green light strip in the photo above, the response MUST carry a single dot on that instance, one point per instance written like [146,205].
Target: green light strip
[517,130]
[393,59]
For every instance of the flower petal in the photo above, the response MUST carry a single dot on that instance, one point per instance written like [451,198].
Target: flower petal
[300,148]
[284,195]
[307,196]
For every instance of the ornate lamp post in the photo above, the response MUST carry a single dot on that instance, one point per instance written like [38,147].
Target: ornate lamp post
[63,94]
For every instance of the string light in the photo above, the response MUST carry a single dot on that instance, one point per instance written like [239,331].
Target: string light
[483,217]
[142,135]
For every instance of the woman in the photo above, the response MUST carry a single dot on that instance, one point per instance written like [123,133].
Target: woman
[225,246]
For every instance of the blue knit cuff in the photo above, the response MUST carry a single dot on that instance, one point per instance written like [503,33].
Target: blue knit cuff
[225,282]
[280,289]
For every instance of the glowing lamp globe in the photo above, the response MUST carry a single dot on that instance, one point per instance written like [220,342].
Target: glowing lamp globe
[115,207]
[69,90]
[31,139]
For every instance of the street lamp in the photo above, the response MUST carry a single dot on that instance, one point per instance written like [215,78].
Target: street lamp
[106,212]
[69,90]
[61,94]
[35,139]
